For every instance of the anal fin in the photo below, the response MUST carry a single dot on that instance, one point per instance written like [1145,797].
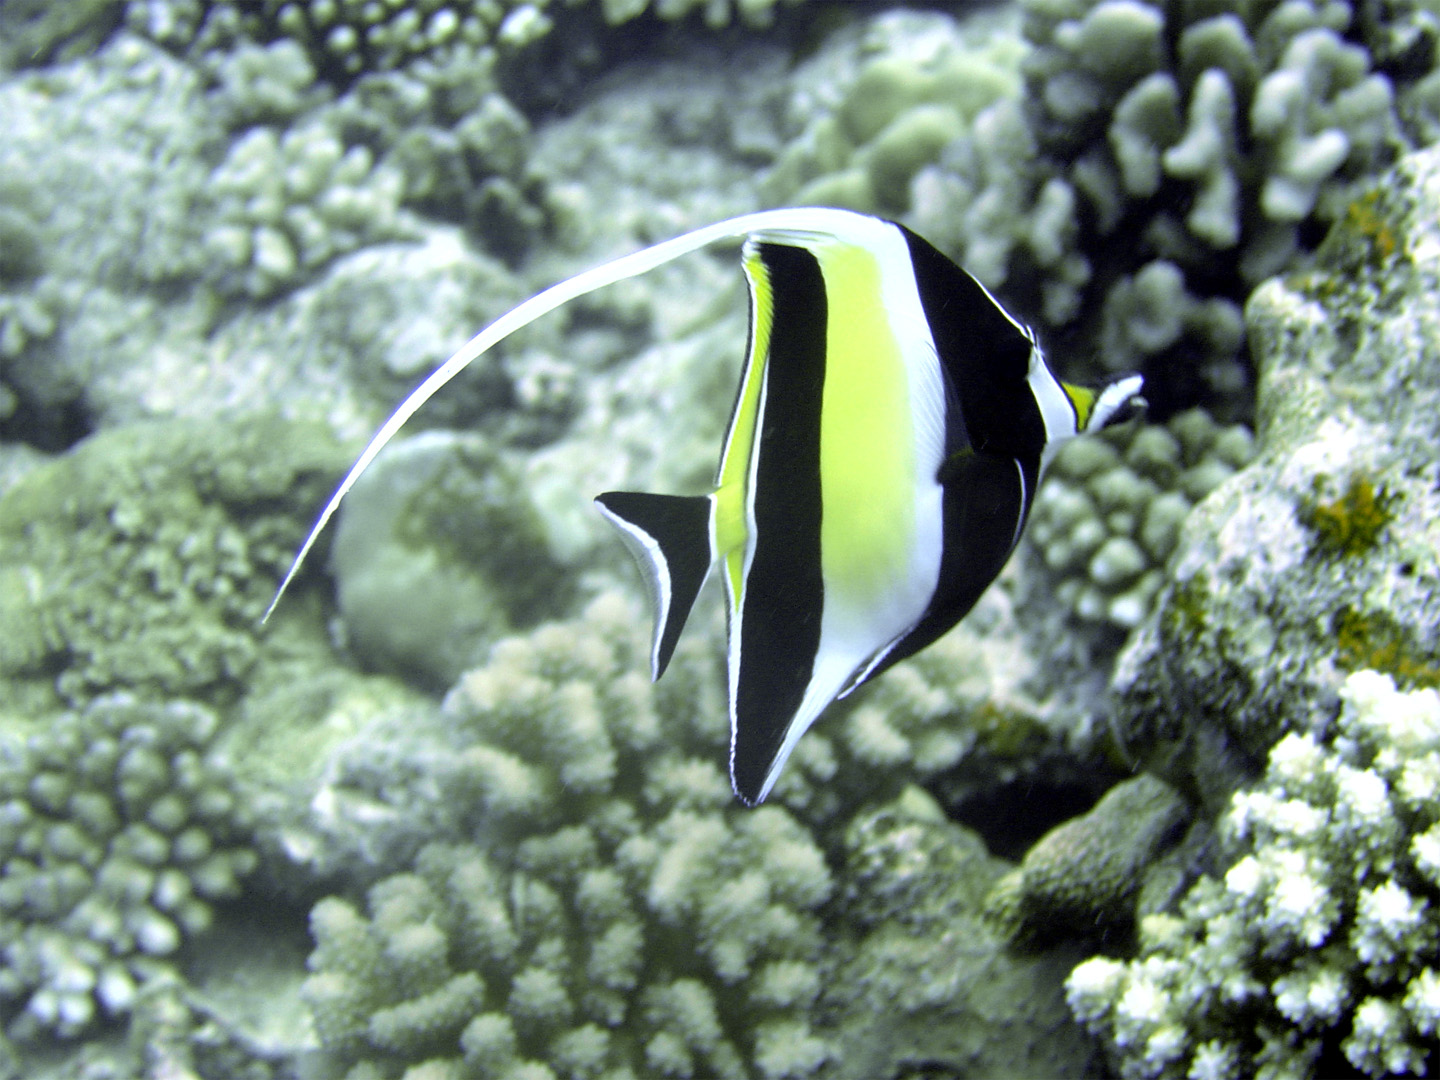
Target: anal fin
[669,536]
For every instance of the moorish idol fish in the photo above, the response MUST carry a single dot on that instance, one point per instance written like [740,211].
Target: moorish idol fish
[891,425]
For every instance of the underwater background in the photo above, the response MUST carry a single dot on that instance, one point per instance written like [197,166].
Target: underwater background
[1166,804]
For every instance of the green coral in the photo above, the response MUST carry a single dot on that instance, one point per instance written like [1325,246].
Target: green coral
[347,39]
[1320,934]
[143,558]
[622,915]
[119,831]
[920,974]
[437,555]
[897,116]
[1083,876]
[941,706]
[756,13]
[1375,640]
[1109,514]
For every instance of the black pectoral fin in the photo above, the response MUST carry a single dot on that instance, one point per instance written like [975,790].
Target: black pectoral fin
[985,502]
[669,536]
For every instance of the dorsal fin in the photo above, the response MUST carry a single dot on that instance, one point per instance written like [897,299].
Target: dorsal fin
[802,220]
[669,535]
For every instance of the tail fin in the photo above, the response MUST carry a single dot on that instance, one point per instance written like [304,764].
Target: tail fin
[669,535]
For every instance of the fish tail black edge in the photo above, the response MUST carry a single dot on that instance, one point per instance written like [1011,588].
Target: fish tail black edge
[669,536]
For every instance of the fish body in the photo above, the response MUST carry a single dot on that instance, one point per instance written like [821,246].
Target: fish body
[890,428]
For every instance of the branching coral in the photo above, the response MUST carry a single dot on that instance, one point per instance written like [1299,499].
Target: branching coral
[1109,514]
[347,39]
[897,115]
[287,204]
[622,916]
[1212,137]
[118,831]
[1322,931]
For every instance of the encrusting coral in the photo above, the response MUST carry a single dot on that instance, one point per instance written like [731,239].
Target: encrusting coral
[118,832]
[142,558]
[438,554]
[1319,558]
[1084,876]
[1320,934]
[920,974]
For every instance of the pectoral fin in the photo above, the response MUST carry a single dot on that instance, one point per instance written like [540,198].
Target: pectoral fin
[669,536]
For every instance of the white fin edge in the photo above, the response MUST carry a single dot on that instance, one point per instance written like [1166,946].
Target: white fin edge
[651,559]
[804,221]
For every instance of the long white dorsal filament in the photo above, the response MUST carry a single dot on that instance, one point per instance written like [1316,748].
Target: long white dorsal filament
[805,220]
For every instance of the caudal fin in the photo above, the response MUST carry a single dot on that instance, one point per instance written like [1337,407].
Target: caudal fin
[669,535]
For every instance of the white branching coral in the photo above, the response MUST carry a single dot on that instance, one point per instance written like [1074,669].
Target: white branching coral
[1320,934]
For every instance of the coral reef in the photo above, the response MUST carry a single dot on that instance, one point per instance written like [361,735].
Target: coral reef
[90,218]
[143,558]
[1320,557]
[596,899]
[118,833]
[1213,135]
[961,712]
[1108,516]
[288,204]
[1300,597]
[438,554]
[348,39]
[621,912]
[1084,876]
[927,976]
[227,209]
[1320,933]
[898,112]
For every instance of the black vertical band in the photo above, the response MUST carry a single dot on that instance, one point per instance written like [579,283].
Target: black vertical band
[984,358]
[780,615]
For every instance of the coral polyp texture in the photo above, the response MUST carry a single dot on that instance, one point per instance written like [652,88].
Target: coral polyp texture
[1212,137]
[118,834]
[1084,876]
[1108,517]
[1319,558]
[622,915]
[232,236]
[1319,939]
[347,39]
[142,559]
[290,203]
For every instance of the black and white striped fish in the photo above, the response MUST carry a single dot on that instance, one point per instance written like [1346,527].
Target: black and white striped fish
[891,425]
